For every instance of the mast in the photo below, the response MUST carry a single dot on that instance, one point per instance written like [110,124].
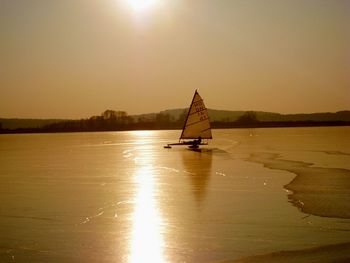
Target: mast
[188,114]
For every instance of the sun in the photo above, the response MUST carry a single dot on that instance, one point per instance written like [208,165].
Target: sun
[140,6]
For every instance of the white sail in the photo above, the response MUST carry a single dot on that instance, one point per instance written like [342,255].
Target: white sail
[197,123]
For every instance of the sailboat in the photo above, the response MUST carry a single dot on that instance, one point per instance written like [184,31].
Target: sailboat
[196,126]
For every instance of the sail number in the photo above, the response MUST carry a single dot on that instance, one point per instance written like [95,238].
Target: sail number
[199,106]
[200,110]
[202,118]
[202,114]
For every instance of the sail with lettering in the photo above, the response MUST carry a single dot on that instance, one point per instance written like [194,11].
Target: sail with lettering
[197,122]
[196,126]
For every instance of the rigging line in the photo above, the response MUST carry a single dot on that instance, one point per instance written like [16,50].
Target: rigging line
[197,122]
[205,129]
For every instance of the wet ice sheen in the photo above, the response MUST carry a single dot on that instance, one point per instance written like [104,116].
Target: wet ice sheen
[121,197]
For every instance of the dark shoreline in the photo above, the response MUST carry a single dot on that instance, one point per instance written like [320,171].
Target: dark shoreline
[156,126]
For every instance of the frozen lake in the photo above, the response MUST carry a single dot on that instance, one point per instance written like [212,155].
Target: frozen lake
[122,197]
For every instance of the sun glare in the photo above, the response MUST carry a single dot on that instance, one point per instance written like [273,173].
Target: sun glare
[141,6]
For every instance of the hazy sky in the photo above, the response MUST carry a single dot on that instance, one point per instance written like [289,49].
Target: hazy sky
[76,58]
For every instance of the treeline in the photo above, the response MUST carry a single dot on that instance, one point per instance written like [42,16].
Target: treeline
[115,121]
[111,120]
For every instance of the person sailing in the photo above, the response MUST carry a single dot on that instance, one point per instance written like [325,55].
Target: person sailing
[198,141]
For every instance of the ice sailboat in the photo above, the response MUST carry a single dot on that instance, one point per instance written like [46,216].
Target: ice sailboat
[196,127]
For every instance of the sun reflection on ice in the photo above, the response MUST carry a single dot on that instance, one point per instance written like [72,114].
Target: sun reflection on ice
[146,239]
[142,133]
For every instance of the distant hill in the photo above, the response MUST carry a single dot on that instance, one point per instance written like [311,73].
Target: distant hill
[215,115]
[226,116]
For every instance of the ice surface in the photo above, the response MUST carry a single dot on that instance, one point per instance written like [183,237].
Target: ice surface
[122,197]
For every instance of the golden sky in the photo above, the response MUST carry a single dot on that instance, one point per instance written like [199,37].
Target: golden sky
[76,58]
